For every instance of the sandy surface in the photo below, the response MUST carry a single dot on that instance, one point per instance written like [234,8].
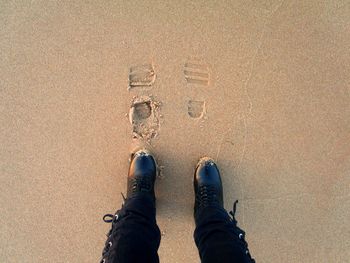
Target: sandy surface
[262,87]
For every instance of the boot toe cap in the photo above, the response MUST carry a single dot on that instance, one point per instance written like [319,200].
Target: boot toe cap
[207,172]
[142,163]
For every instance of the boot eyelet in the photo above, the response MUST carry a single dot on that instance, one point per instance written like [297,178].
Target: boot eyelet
[240,235]
[110,243]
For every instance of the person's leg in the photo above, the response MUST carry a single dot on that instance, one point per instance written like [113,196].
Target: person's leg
[218,238]
[216,235]
[135,236]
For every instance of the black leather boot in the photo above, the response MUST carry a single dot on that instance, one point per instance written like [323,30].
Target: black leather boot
[136,217]
[142,174]
[207,185]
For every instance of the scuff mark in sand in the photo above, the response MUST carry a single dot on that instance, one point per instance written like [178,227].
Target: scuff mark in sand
[236,140]
[256,53]
[245,88]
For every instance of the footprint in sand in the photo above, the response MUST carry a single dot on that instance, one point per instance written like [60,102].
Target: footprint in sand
[196,109]
[197,72]
[141,76]
[144,110]
[144,117]
[232,144]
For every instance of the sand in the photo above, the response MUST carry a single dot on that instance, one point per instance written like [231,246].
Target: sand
[262,87]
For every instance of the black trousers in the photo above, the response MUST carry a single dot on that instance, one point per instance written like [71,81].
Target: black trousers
[135,236]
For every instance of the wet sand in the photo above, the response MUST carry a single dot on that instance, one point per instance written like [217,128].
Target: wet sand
[261,87]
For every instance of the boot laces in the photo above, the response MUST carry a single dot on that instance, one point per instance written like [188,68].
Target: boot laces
[142,183]
[241,234]
[110,218]
[207,195]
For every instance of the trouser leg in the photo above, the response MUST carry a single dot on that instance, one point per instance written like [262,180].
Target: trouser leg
[218,238]
[135,236]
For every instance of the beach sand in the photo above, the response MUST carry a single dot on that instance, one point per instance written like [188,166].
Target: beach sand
[263,87]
